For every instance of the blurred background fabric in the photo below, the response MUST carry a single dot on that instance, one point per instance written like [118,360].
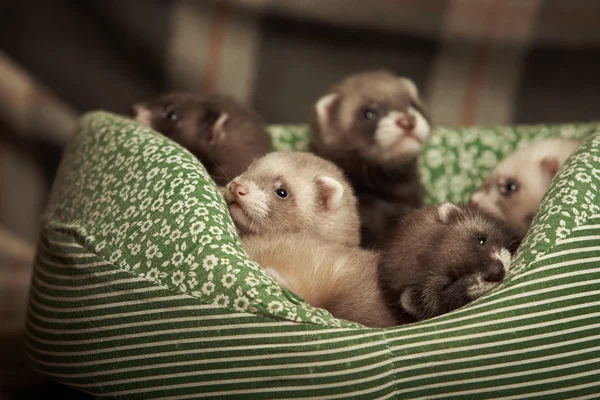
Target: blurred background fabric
[477,62]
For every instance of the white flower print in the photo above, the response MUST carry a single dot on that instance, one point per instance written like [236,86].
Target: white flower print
[152,274]
[569,199]
[222,300]
[205,239]
[215,230]
[201,211]
[228,280]
[175,235]
[177,207]
[177,258]
[187,189]
[177,277]
[208,288]
[197,227]
[210,262]
[583,177]
[114,257]
[241,304]
[134,248]
[153,251]
[192,282]
[275,307]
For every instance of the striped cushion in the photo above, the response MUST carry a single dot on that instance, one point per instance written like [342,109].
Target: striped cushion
[141,288]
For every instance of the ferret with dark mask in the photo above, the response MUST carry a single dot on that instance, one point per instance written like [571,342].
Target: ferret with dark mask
[224,135]
[513,192]
[373,126]
[293,192]
[441,258]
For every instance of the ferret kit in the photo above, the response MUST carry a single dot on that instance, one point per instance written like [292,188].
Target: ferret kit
[373,125]
[223,134]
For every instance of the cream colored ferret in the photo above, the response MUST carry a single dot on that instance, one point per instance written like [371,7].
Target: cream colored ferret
[339,278]
[285,192]
[514,190]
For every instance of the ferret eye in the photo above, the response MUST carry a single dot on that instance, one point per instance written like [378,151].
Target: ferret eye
[369,114]
[172,115]
[509,187]
[281,193]
[482,240]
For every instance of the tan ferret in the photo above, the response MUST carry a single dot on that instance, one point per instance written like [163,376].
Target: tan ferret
[329,275]
[292,192]
[373,125]
[514,190]
[441,258]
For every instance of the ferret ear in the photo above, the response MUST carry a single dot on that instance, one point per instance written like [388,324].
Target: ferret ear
[218,131]
[329,193]
[407,303]
[447,209]
[410,86]
[550,166]
[323,106]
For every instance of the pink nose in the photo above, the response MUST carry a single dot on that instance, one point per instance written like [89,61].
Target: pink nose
[238,189]
[407,122]
[472,202]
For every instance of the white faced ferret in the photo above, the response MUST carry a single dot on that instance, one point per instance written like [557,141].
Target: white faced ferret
[339,278]
[222,133]
[513,191]
[441,258]
[373,126]
[292,192]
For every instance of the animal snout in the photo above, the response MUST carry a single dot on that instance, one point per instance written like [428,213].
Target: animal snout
[407,122]
[134,111]
[473,202]
[494,273]
[238,189]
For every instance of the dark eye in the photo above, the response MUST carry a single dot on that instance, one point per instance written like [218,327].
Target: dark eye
[509,187]
[281,193]
[482,240]
[369,114]
[172,115]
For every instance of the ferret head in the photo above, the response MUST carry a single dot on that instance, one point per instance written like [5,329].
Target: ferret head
[223,134]
[375,114]
[293,192]
[197,122]
[443,257]
[514,190]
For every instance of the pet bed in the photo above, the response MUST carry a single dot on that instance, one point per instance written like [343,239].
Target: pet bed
[142,290]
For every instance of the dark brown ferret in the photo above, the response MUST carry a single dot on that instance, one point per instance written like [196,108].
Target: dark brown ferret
[329,275]
[373,126]
[223,134]
[293,192]
[441,258]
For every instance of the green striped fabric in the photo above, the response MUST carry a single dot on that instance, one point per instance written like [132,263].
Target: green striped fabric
[142,290]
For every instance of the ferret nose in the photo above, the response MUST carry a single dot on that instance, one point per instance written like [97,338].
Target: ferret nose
[472,202]
[407,122]
[238,189]
[133,111]
[494,273]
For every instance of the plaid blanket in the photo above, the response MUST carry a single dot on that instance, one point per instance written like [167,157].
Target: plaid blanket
[477,62]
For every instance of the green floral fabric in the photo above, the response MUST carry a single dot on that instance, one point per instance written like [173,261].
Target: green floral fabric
[148,206]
